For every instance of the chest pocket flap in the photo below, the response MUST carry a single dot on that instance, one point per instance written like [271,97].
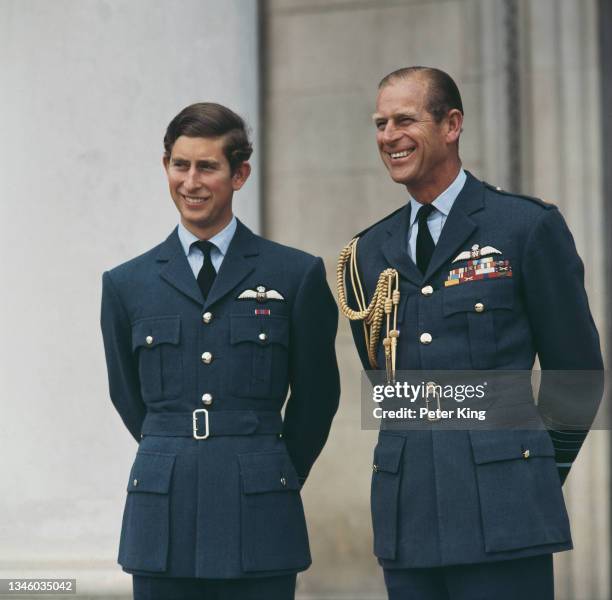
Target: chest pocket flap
[260,330]
[490,293]
[152,331]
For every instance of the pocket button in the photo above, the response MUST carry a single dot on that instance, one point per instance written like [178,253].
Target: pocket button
[425,338]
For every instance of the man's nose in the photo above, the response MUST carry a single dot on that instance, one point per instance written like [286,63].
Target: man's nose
[390,133]
[191,181]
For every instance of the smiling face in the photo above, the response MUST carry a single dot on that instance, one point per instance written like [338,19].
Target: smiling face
[417,151]
[201,183]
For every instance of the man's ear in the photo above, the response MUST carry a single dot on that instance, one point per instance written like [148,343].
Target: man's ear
[454,125]
[165,162]
[241,174]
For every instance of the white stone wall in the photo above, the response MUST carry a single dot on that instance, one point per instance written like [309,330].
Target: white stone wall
[87,90]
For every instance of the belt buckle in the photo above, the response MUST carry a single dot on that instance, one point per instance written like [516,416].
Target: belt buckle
[196,435]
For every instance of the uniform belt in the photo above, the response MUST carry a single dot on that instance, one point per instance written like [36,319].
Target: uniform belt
[202,423]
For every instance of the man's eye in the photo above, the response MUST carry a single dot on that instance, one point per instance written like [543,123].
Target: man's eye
[406,120]
[380,125]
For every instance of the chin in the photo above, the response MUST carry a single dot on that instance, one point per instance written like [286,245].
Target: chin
[401,178]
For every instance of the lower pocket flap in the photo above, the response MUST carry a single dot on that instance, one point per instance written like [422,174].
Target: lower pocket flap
[151,473]
[493,446]
[267,472]
[388,453]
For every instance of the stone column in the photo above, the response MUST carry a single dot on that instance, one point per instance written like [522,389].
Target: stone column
[563,164]
[88,88]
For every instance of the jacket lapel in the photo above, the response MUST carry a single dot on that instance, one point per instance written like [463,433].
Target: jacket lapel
[177,271]
[237,264]
[395,249]
[459,226]
[234,268]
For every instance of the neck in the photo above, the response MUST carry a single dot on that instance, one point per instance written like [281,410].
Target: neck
[426,192]
[205,232]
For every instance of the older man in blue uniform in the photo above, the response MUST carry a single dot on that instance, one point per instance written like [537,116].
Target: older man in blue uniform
[487,280]
[204,335]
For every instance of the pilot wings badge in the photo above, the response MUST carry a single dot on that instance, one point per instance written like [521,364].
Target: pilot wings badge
[476,252]
[260,294]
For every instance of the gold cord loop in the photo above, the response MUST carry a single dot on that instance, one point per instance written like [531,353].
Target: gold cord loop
[384,304]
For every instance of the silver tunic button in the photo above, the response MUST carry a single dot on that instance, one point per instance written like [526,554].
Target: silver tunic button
[427,290]
[207,399]
[525,453]
[207,358]
[149,340]
[263,337]
[283,481]
[135,482]
[425,338]
[479,307]
[374,468]
[207,317]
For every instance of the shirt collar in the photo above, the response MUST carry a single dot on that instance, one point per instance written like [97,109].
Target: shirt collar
[444,202]
[221,240]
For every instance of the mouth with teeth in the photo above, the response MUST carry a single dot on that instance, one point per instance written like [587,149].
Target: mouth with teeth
[194,200]
[401,154]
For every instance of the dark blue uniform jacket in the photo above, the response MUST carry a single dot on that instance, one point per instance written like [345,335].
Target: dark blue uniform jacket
[444,497]
[227,505]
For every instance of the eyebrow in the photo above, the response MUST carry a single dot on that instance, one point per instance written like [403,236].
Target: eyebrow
[200,163]
[377,116]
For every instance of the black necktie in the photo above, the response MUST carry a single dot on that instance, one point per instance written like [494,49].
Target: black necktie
[425,244]
[207,273]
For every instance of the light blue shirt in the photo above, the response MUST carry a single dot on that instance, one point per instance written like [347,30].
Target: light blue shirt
[221,243]
[442,205]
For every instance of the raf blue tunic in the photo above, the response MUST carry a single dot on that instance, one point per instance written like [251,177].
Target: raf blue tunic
[444,497]
[226,505]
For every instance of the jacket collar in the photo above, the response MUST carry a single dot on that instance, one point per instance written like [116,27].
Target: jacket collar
[458,227]
[236,265]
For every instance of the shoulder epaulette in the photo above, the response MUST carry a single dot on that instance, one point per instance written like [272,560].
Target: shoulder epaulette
[498,190]
[379,222]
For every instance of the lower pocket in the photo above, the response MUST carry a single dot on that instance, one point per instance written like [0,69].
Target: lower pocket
[386,479]
[145,533]
[521,502]
[273,526]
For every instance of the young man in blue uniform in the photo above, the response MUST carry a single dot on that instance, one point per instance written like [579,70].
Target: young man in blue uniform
[204,335]
[487,280]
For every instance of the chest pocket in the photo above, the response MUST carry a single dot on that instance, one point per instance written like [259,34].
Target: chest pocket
[478,302]
[155,341]
[260,356]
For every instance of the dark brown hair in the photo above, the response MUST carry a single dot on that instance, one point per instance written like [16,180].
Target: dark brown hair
[211,120]
[443,93]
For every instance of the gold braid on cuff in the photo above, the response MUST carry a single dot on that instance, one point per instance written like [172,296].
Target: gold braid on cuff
[384,304]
